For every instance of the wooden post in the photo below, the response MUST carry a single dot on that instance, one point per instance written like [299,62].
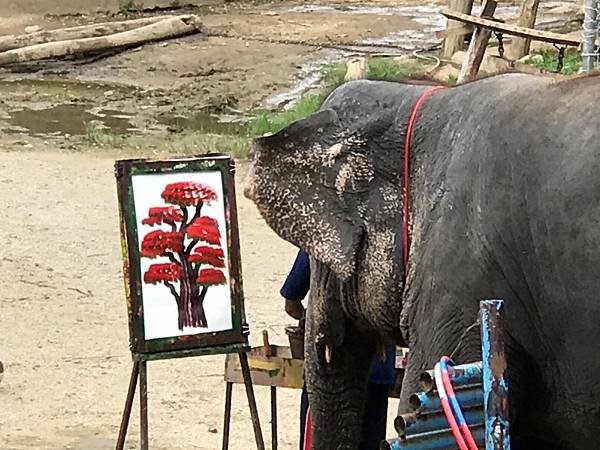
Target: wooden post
[273,418]
[478,45]
[143,406]
[227,418]
[128,405]
[260,443]
[527,16]
[495,386]
[456,42]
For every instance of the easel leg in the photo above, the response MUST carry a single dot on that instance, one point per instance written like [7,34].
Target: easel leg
[143,406]
[128,404]
[260,444]
[273,417]
[227,418]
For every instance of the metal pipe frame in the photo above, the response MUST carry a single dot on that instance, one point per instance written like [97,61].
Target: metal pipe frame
[461,375]
[495,386]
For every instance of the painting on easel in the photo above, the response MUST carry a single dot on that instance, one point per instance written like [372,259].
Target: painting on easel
[183,276]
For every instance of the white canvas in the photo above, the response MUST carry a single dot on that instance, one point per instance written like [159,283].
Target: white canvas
[160,307]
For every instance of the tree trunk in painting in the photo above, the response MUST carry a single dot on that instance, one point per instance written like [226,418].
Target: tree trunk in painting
[192,268]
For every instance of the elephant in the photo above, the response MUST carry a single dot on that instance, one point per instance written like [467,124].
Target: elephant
[504,203]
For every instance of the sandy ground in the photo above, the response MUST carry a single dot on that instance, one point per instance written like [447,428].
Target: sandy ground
[63,327]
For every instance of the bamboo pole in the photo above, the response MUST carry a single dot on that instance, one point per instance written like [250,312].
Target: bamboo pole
[165,29]
[11,42]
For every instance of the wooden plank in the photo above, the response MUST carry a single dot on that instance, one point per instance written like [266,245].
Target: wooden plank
[477,47]
[456,42]
[527,16]
[279,370]
[513,30]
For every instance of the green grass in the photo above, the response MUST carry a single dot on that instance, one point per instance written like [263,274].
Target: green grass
[273,121]
[96,135]
[333,76]
[130,6]
[389,69]
[197,142]
[549,61]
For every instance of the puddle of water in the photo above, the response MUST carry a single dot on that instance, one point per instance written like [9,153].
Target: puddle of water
[205,123]
[55,87]
[66,119]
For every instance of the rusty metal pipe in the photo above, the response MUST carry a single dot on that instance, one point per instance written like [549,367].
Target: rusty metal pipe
[462,375]
[423,402]
[436,440]
[407,425]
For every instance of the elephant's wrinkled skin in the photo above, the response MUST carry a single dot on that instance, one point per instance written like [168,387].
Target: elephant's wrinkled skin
[505,203]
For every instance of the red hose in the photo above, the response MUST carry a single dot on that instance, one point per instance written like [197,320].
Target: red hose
[447,409]
[462,425]
[307,430]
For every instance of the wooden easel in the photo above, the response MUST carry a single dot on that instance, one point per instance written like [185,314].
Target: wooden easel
[270,365]
[139,372]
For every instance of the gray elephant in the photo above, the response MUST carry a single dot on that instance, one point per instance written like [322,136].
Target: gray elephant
[505,203]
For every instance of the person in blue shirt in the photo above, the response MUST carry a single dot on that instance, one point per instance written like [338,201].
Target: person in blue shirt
[382,374]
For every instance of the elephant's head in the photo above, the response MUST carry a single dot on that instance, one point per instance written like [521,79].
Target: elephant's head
[331,185]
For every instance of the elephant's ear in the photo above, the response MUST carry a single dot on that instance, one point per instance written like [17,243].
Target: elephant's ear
[300,180]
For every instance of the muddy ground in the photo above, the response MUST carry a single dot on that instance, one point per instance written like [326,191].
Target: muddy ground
[63,329]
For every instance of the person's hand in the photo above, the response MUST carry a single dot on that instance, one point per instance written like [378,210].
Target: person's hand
[294,309]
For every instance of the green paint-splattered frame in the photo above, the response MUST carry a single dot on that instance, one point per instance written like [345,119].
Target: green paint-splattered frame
[229,341]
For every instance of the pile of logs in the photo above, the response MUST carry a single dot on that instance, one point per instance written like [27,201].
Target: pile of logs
[95,38]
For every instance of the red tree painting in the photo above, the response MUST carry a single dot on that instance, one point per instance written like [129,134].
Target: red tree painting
[192,245]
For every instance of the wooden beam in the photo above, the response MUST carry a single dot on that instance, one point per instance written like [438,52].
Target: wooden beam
[456,42]
[513,30]
[478,45]
[527,16]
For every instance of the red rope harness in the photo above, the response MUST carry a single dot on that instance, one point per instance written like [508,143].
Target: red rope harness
[406,191]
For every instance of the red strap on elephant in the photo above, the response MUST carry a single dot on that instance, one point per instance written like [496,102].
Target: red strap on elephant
[412,119]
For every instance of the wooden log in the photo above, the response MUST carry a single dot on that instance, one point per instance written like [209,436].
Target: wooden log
[11,42]
[456,42]
[527,16]
[461,29]
[535,35]
[356,69]
[165,29]
[477,47]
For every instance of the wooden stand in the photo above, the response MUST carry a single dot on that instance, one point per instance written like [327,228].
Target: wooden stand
[139,371]
[269,365]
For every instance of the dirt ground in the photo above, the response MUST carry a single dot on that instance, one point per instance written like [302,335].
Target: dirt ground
[63,327]
[64,338]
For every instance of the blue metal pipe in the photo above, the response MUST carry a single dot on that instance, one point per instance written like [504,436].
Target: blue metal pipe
[495,386]
[437,440]
[412,424]
[423,402]
[461,375]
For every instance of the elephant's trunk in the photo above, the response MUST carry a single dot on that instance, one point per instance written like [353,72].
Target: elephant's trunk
[338,358]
